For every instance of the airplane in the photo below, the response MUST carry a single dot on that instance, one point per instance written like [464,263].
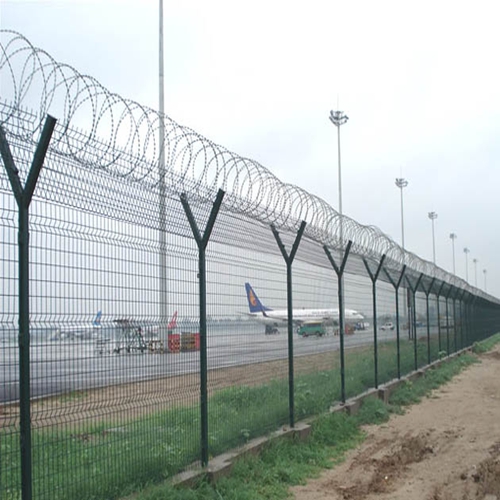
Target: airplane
[84,331]
[300,316]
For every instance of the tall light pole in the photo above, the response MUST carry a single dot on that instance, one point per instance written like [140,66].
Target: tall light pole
[475,272]
[433,216]
[484,272]
[161,183]
[338,118]
[453,237]
[401,184]
[466,252]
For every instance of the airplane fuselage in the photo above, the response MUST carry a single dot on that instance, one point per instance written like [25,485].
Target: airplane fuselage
[303,315]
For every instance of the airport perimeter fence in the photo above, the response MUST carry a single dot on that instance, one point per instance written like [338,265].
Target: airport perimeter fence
[132,343]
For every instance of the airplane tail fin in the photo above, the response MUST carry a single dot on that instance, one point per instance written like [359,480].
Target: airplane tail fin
[254,304]
[97,319]
[173,322]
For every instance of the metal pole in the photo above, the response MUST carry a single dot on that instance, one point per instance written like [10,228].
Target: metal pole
[428,322]
[447,325]
[396,288]
[23,198]
[162,190]
[289,260]
[453,237]
[455,337]
[433,217]
[375,340]
[340,190]
[338,118]
[341,338]
[374,278]
[428,330]
[466,251]
[340,276]
[202,243]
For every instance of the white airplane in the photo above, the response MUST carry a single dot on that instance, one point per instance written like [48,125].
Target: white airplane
[82,332]
[273,316]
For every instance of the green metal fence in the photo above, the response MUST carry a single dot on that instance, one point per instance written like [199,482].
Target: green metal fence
[150,313]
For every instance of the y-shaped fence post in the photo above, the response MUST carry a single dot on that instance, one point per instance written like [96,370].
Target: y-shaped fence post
[23,198]
[467,298]
[202,276]
[413,320]
[340,275]
[374,278]
[455,336]
[448,321]
[438,294]
[460,300]
[396,286]
[289,261]
[427,292]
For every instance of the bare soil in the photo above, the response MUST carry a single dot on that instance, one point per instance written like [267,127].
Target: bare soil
[445,448]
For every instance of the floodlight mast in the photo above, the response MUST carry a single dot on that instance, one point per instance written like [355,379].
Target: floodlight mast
[453,237]
[433,216]
[338,118]
[163,312]
[466,252]
[401,183]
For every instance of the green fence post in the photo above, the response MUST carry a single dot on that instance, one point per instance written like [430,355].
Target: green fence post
[448,321]
[374,278]
[23,198]
[202,243]
[440,348]
[427,292]
[396,286]
[289,260]
[340,278]
[413,319]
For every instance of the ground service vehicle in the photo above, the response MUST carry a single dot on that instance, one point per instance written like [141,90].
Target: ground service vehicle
[387,326]
[310,328]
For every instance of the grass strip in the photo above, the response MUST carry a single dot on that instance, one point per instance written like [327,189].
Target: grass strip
[288,462]
[110,460]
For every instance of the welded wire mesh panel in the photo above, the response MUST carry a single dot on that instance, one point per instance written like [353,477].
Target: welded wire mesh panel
[112,390]
[387,332]
[9,361]
[247,362]
[116,293]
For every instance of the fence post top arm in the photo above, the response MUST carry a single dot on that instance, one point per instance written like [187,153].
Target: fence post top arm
[39,158]
[365,262]
[379,268]
[289,258]
[213,216]
[298,238]
[389,277]
[191,220]
[440,289]
[12,171]
[331,259]
[346,254]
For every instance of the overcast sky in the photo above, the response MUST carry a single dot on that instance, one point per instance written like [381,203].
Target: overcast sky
[419,81]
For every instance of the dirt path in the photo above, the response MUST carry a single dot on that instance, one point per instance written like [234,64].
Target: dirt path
[445,448]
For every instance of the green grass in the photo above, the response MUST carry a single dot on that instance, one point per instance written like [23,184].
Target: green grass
[287,462]
[486,345]
[111,460]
